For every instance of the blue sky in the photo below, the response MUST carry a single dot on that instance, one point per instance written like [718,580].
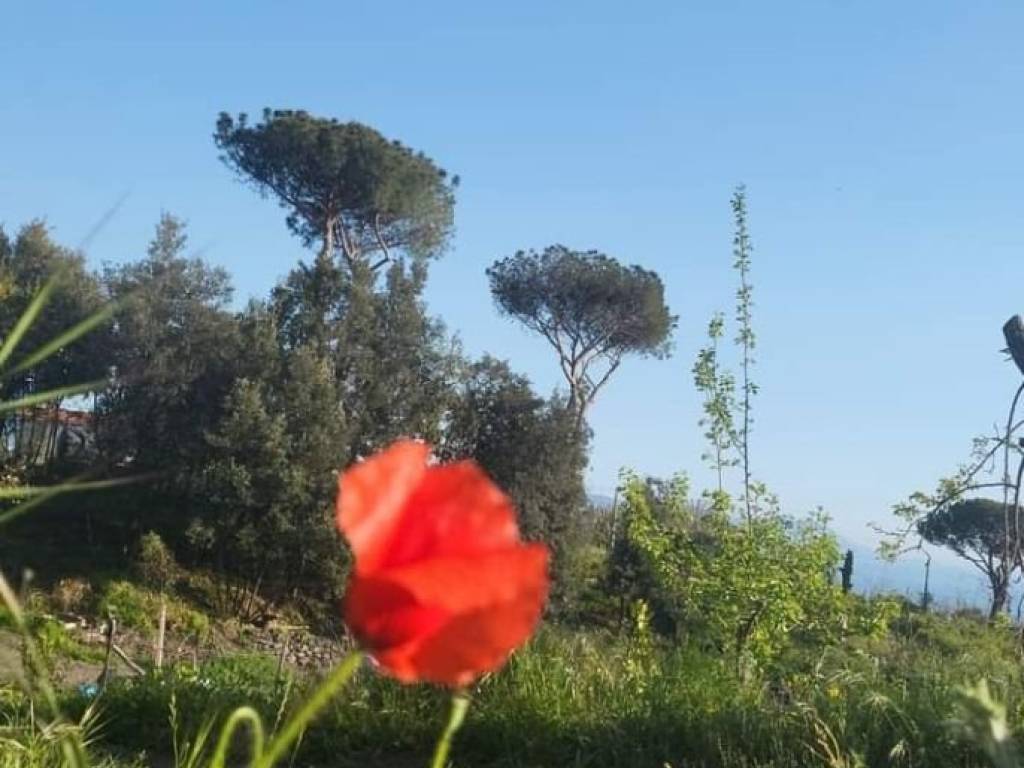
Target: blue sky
[880,144]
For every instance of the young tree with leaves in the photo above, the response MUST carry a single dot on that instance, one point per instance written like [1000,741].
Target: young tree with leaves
[719,390]
[745,338]
[744,589]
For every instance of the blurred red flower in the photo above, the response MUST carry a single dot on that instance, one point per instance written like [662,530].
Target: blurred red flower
[443,589]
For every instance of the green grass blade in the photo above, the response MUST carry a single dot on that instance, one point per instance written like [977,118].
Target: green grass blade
[68,337]
[321,697]
[37,495]
[241,716]
[28,491]
[28,317]
[44,495]
[52,394]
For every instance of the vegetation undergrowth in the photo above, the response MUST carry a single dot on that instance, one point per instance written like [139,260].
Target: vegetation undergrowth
[598,699]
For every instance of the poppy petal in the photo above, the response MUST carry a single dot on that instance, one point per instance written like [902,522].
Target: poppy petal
[443,590]
[385,616]
[449,620]
[455,511]
[475,643]
[463,584]
[372,496]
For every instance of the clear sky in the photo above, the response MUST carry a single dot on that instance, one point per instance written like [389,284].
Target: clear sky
[880,143]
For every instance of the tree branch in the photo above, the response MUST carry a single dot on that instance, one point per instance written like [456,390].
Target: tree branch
[381,243]
[348,248]
[604,379]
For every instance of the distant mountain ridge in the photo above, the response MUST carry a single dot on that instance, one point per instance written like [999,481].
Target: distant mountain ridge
[600,500]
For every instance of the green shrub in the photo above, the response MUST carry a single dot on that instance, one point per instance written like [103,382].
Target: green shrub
[131,606]
[139,608]
[155,563]
[55,642]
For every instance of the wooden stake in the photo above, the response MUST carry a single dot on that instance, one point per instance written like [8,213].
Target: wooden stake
[161,632]
[105,674]
[124,657]
[284,652]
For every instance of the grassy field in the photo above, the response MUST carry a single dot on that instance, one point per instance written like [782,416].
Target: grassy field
[587,698]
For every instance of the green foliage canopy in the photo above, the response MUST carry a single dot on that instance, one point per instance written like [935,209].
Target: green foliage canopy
[344,184]
[172,355]
[592,309]
[747,590]
[981,532]
[263,502]
[528,445]
[26,264]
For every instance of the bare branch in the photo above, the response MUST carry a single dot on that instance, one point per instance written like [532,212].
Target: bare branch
[604,379]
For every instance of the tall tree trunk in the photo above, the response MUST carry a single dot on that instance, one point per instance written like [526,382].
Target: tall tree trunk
[1000,592]
[327,252]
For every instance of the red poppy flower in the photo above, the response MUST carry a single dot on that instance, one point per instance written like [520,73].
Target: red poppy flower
[443,589]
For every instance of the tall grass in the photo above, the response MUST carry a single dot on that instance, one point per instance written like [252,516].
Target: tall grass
[591,699]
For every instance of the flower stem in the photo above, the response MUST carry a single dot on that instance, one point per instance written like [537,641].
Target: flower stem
[460,703]
[321,697]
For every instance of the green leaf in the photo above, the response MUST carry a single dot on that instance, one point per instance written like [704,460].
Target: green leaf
[51,395]
[28,317]
[68,337]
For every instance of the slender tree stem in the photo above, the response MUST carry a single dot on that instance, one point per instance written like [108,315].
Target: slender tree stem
[460,703]
[745,337]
